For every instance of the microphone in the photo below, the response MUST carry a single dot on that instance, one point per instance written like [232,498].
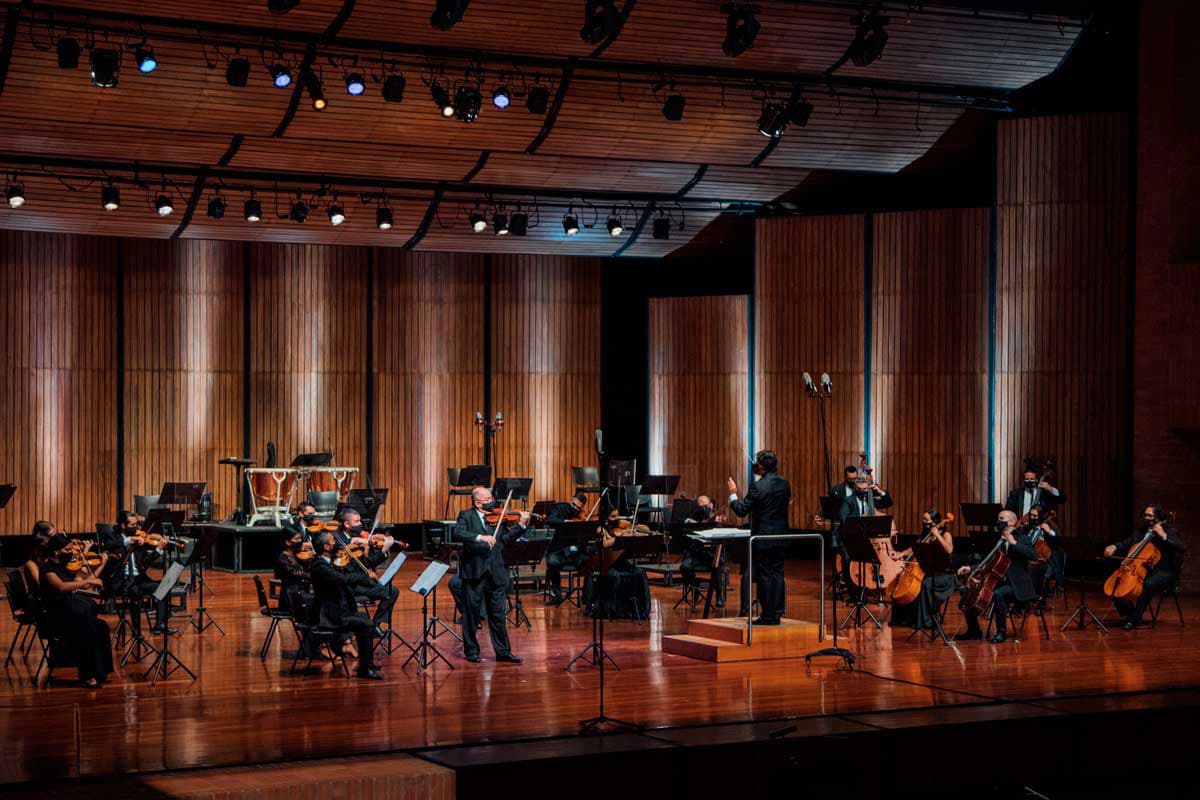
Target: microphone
[478,419]
[499,420]
[599,441]
[826,384]
[809,386]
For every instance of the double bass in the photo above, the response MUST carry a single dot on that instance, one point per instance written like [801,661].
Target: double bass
[907,587]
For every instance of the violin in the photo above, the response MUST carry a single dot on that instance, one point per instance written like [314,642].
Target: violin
[907,587]
[626,528]
[351,553]
[322,525]
[494,518]
[81,560]
[306,552]
[1129,580]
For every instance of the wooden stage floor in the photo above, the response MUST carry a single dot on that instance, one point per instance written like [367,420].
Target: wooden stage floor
[243,710]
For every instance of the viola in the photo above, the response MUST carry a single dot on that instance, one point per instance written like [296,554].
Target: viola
[322,525]
[907,587]
[1129,580]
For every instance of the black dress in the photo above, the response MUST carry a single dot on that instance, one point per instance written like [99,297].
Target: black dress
[85,639]
[622,593]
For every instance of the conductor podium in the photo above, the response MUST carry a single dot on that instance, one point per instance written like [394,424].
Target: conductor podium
[723,640]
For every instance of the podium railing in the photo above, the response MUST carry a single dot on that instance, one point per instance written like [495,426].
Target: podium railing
[750,577]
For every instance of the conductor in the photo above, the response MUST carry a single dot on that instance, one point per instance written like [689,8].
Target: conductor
[766,503]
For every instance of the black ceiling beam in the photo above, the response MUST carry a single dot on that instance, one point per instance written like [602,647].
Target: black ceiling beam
[626,10]
[691,184]
[426,221]
[193,200]
[484,155]
[310,56]
[11,19]
[235,144]
[560,96]
[637,230]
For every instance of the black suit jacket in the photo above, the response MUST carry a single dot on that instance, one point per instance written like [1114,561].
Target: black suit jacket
[1015,502]
[1172,548]
[333,592]
[478,559]
[766,503]
[1022,554]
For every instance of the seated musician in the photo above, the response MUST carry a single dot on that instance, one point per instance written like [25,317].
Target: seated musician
[866,500]
[378,546]
[1019,585]
[1163,577]
[350,531]
[126,572]
[32,569]
[698,557]
[569,556]
[71,616]
[625,591]
[1039,527]
[305,518]
[292,569]
[334,604]
[935,589]
[1034,490]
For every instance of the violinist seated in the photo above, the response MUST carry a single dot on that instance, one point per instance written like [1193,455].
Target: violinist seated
[292,569]
[1159,533]
[126,575]
[698,557]
[71,616]
[304,522]
[567,557]
[935,589]
[624,592]
[1019,585]
[366,583]
[334,604]
[32,569]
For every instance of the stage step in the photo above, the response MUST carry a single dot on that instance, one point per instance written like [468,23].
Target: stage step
[724,640]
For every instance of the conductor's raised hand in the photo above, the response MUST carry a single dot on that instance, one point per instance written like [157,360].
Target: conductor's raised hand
[731,485]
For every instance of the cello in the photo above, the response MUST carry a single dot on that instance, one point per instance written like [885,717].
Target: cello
[983,581]
[907,587]
[1126,584]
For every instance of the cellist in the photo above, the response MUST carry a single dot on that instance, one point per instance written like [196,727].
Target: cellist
[1019,583]
[935,589]
[1162,578]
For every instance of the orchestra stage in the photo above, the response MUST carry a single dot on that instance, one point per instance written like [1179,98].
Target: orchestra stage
[243,711]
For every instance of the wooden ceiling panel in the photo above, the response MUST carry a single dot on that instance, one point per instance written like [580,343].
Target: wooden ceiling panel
[340,157]
[647,246]
[563,172]
[52,206]
[116,143]
[747,183]
[183,94]
[310,16]
[531,27]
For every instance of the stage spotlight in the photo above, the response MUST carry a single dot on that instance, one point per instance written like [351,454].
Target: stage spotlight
[110,197]
[393,89]
[68,53]
[281,6]
[538,100]
[519,224]
[105,64]
[299,211]
[741,28]
[313,84]
[478,222]
[355,84]
[448,13]
[673,107]
[15,194]
[467,102]
[164,205]
[216,207]
[442,98]
[600,21]
[773,120]
[252,210]
[501,97]
[337,214]
[570,223]
[500,224]
[237,72]
[870,37]
[662,227]
[146,62]
[383,218]
[799,111]
[615,228]
[281,76]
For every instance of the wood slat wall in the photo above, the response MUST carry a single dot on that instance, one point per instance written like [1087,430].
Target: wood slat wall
[308,344]
[808,317]
[546,367]
[58,390]
[1063,309]
[699,391]
[428,375]
[929,362]
[183,365]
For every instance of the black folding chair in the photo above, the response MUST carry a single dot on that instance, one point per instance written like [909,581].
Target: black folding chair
[276,615]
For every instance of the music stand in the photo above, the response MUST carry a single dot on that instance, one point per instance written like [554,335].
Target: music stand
[565,535]
[312,460]
[167,663]
[7,490]
[831,509]
[518,486]
[665,485]
[463,481]
[856,535]
[621,473]
[527,553]
[366,502]
[979,515]
[587,479]
[202,620]
[425,585]
[164,521]
[933,560]
[188,493]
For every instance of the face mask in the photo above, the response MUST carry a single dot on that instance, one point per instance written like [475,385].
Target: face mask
[1001,526]
[296,546]
[309,519]
[490,505]
[1030,484]
[356,529]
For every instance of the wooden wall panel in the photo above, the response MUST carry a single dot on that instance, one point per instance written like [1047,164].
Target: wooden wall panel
[58,382]
[1062,311]
[428,375]
[929,362]
[308,336]
[808,317]
[546,367]
[699,391]
[183,365]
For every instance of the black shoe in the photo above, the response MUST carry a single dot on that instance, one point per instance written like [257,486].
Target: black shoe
[765,621]
[999,638]
[555,600]
[159,630]
[371,675]
[510,658]
[969,636]
[1128,625]
[474,659]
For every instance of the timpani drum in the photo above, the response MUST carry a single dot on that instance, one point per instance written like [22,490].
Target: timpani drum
[271,492]
[332,479]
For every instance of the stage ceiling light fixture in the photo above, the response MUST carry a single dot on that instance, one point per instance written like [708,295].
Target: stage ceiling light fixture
[313,84]
[216,207]
[15,194]
[600,21]
[252,210]
[146,62]
[448,13]
[870,37]
[467,102]
[519,224]
[337,214]
[281,6]
[501,97]
[442,98]
[478,222]
[615,228]
[68,53]
[673,107]
[393,89]
[500,224]
[570,223]
[164,205]
[383,218]
[355,84]
[662,227]
[281,76]
[741,28]
[105,64]
[110,197]
[299,212]
[538,100]
[237,72]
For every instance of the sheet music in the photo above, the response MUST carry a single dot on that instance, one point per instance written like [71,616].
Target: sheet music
[718,534]
[392,569]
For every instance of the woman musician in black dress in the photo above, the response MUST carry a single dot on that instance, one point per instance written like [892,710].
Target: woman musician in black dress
[616,589]
[71,616]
